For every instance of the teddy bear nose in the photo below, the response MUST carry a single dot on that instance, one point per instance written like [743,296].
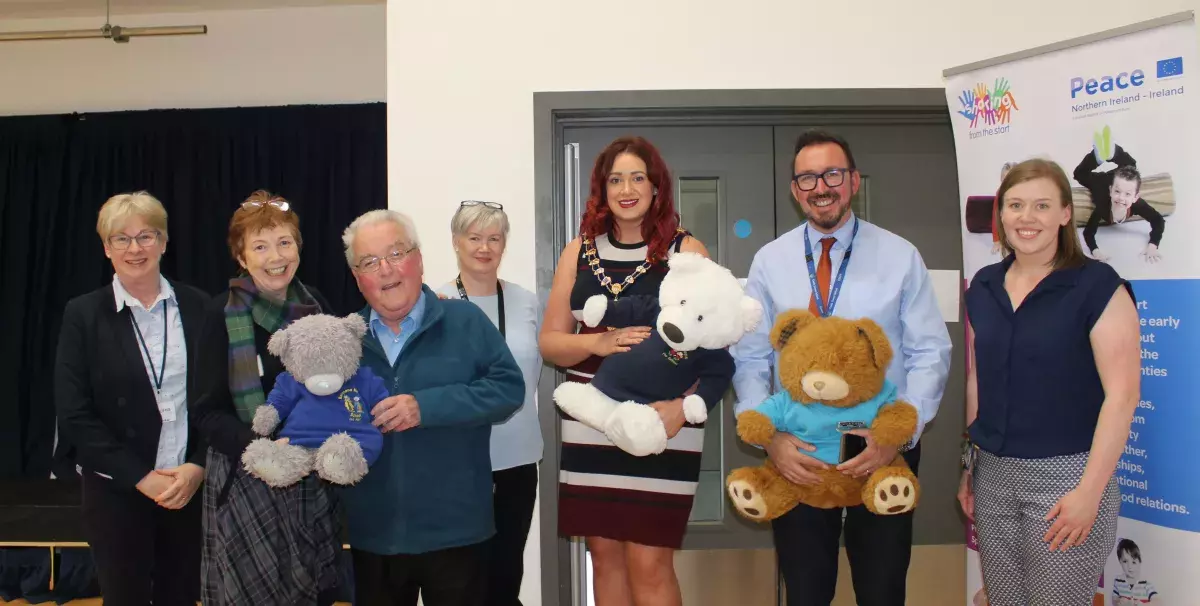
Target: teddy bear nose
[673,333]
[819,385]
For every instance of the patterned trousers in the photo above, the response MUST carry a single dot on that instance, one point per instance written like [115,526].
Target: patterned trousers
[1012,499]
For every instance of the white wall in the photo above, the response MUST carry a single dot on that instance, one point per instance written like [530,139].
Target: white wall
[461,76]
[248,58]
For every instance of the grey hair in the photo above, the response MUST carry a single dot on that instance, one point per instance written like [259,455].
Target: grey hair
[480,217]
[377,217]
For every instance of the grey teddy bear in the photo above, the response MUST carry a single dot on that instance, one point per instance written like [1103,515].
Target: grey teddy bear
[324,400]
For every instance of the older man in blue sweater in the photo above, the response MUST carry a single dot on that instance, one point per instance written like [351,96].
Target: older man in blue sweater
[419,520]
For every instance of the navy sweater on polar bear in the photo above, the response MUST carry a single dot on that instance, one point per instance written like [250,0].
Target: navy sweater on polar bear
[652,371]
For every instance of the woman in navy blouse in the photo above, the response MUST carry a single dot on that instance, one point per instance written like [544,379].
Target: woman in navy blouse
[1051,391]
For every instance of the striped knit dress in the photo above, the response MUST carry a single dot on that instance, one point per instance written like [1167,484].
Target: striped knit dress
[604,491]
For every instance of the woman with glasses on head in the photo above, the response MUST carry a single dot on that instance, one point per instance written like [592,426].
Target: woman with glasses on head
[262,545]
[480,234]
[633,519]
[121,396]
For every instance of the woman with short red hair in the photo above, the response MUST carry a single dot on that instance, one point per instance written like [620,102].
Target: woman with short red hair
[633,518]
[262,545]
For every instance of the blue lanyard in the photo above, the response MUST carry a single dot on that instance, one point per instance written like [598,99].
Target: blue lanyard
[837,283]
[155,375]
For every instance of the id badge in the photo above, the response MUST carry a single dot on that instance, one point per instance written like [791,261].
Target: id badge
[166,409]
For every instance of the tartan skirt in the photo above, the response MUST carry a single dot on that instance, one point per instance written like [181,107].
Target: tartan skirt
[265,545]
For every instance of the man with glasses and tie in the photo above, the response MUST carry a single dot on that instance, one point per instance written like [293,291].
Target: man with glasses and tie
[420,521]
[852,269]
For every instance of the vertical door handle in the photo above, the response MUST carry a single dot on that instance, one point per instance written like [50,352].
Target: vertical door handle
[573,192]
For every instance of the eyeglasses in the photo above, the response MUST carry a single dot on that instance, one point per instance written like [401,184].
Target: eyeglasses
[394,258]
[145,239]
[495,205]
[276,202]
[832,177]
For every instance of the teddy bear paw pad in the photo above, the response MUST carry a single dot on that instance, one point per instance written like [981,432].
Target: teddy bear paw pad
[748,500]
[895,495]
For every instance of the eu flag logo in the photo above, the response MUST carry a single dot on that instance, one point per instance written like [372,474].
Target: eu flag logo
[1170,67]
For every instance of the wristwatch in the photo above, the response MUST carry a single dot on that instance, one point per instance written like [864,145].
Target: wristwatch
[970,453]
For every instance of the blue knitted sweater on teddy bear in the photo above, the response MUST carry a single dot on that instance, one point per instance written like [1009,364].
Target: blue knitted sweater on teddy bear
[308,420]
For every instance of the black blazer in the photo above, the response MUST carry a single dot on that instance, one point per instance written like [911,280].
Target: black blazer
[103,396]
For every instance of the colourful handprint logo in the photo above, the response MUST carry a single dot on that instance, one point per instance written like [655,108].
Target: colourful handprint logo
[990,106]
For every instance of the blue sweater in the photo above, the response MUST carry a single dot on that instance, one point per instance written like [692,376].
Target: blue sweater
[431,488]
[817,424]
[309,420]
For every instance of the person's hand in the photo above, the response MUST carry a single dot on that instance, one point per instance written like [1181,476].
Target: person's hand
[966,496]
[153,484]
[1072,517]
[619,340]
[185,480]
[1151,254]
[792,464]
[996,248]
[396,413]
[1100,255]
[871,458]
[671,412]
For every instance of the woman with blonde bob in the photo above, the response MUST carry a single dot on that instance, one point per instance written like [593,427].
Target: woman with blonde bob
[120,391]
[480,233]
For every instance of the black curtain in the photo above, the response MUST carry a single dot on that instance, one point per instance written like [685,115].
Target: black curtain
[56,171]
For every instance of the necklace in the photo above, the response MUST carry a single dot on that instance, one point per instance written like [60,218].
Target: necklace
[606,282]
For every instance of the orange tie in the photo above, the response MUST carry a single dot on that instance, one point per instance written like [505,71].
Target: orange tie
[824,269]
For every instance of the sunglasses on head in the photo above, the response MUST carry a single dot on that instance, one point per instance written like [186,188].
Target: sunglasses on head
[495,205]
[281,204]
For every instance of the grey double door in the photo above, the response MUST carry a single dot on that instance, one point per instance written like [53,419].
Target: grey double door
[733,194]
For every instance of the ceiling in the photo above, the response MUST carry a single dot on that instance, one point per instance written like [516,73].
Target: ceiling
[21,9]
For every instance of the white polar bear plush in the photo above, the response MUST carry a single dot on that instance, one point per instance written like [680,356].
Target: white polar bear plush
[701,310]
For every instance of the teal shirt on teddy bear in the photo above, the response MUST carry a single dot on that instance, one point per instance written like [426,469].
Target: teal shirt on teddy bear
[818,424]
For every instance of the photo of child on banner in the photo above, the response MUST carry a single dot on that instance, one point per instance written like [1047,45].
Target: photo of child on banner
[1131,588]
[1116,193]
[1112,191]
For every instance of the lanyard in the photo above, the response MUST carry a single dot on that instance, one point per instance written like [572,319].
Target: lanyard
[158,375]
[462,292]
[837,283]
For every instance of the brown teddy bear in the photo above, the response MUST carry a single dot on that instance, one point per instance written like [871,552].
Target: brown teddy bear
[833,373]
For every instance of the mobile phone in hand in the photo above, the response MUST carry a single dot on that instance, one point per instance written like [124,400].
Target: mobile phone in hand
[852,445]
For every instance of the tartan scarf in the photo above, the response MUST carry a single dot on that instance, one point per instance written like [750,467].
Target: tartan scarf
[244,309]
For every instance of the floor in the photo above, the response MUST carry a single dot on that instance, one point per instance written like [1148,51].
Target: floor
[937,577]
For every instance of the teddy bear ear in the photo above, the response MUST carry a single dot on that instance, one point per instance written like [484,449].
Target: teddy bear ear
[277,344]
[357,326]
[787,324]
[686,260]
[752,313]
[881,348]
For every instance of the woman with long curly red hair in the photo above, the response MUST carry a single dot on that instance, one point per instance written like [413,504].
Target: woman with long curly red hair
[633,511]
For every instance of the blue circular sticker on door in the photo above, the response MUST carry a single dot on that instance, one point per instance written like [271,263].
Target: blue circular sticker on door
[742,228]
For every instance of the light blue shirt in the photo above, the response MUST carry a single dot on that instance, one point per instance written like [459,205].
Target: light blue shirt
[886,281]
[393,343]
[518,439]
[172,398]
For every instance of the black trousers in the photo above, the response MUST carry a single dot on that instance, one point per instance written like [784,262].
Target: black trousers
[450,577]
[878,547]
[513,499]
[143,553]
